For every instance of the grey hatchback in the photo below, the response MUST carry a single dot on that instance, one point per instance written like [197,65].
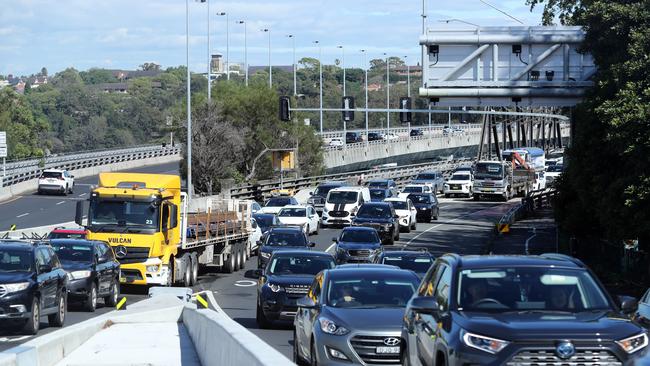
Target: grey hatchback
[337,322]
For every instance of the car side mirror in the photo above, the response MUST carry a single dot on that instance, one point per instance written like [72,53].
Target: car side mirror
[258,273]
[311,193]
[396,216]
[628,304]
[312,244]
[45,268]
[259,243]
[72,176]
[335,240]
[423,305]
[306,303]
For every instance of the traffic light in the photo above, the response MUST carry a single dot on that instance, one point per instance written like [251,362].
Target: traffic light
[405,115]
[285,112]
[347,103]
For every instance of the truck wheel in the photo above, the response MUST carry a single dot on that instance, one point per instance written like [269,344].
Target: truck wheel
[229,266]
[195,269]
[242,259]
[187,275]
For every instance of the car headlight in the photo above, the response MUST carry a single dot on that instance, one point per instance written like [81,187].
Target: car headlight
[446,185]
[266,255]
[332,328]
[325,210]
[635,343]
[15,287]
[310,201]
[77,275]
[487,344]
[274,287]
[152,268]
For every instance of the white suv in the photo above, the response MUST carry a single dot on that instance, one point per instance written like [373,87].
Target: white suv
[56,181]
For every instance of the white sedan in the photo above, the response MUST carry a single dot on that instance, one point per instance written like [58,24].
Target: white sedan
[460,183]
[304,216]
[55,181]
[406,211]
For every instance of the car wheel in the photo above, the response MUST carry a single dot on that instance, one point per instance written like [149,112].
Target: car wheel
[91,299]
[65,191]
[407,229]
[405,357]
[71,189]
[414,224]
[34,322]
[313,360]
[57,319]
[317,227]
[111,299]
[397,236]
[308,231]
[297,359]
[261,319]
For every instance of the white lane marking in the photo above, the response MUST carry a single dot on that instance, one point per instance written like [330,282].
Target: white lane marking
[60,203]
[527,240]
[245,283]
[13,339]
[81,195]
[23,215]
[330,248]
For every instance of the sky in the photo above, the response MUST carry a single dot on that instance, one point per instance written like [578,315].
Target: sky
[126,33]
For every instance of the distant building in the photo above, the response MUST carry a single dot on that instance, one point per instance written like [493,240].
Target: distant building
[124,75]
[217,65]
[20,87]
[374,87]
[403,70]
[38,81]
[121,87]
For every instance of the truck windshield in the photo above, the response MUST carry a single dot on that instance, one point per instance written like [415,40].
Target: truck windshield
[141,214]
[489,170]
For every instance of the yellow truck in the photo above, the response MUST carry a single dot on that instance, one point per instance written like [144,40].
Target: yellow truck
[158,235]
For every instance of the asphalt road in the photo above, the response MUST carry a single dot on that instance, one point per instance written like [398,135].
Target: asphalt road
[32,210]
[464,227]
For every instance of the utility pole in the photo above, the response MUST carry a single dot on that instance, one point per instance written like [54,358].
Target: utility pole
[343,64]
[267,30]
[227,44]
[387,93]
[408,77]
[209,59]
[189,99]
[365,67]
[320,72]
[245,49]
[295,67]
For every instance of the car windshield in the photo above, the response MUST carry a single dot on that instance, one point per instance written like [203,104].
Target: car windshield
[359,236]
[523,289]
[287,239]
[417,264]
[69,252]
[378,194]
[124,213]
[264,221]
[399,205]
[378,184]
[488,170]
[51,175]
[425,176]
[293,212]
[554,168]
[374,211]
[363,291]
[322,191]
[412,189]
[419,198]
[460,177]
[15,260]
[342,197]
[278,202]
[296,265]
[54,235]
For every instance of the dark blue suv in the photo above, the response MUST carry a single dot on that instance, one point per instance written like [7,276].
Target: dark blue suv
[357,244]
[517,310]
[281,238]
[286,279]
[32,284]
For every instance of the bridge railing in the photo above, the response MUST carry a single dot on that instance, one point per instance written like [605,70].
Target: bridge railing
[400,139]
[21,171]
[399,131]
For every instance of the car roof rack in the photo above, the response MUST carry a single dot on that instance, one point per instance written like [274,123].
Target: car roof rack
[563,257]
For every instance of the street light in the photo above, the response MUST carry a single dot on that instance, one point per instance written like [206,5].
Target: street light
[320,72]
[387,92]
[245,49]
[209,57]
[295,82]
[343,61]
[408,77]
[227,44]
[267,30]
[365,67]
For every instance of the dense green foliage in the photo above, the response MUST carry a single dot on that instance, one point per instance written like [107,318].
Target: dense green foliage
[23,130]
[605,190]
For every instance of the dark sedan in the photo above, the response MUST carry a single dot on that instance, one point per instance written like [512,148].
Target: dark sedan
[382,217]
[427,206]
[416,132]
[287,278]
[281,238]
[266,221]
[374,136]
[356,244]
[93,271]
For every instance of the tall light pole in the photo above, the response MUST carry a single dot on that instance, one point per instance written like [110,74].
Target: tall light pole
[189,99]
[408,77]
[387,92]
[295,67]
[245,49]
[209,57]
[365,67]
[227,44]
[343,64]
[320,78]
[267,30]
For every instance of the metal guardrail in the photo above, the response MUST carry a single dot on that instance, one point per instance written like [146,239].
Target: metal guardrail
[401,175]
[25,170]
[403,131]
[534,200]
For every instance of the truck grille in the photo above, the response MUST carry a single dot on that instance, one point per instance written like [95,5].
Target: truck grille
[3,291]
[338,213]
[359,252]
[133,255]
[366,346]
[583,357]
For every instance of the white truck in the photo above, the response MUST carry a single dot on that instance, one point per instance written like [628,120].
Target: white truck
[499,179]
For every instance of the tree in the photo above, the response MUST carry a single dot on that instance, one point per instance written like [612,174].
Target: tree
[43,71]
[150,66]
[97,76]
[22,129]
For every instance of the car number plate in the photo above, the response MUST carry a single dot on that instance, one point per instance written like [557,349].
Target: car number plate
[384,350]
[122,279]
[488,189]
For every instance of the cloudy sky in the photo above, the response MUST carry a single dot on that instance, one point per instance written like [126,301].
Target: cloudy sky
[126,33]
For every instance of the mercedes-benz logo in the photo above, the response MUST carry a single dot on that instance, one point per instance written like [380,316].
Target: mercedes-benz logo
[120,252]
[392,341]
[565,350]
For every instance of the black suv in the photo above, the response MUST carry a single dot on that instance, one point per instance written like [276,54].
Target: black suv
[286,279]
[32,284]
[382,217]
[93,271]
[353,137]
[517,310]
[374,136]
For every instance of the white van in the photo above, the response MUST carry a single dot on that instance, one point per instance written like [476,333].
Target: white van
[342,204]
